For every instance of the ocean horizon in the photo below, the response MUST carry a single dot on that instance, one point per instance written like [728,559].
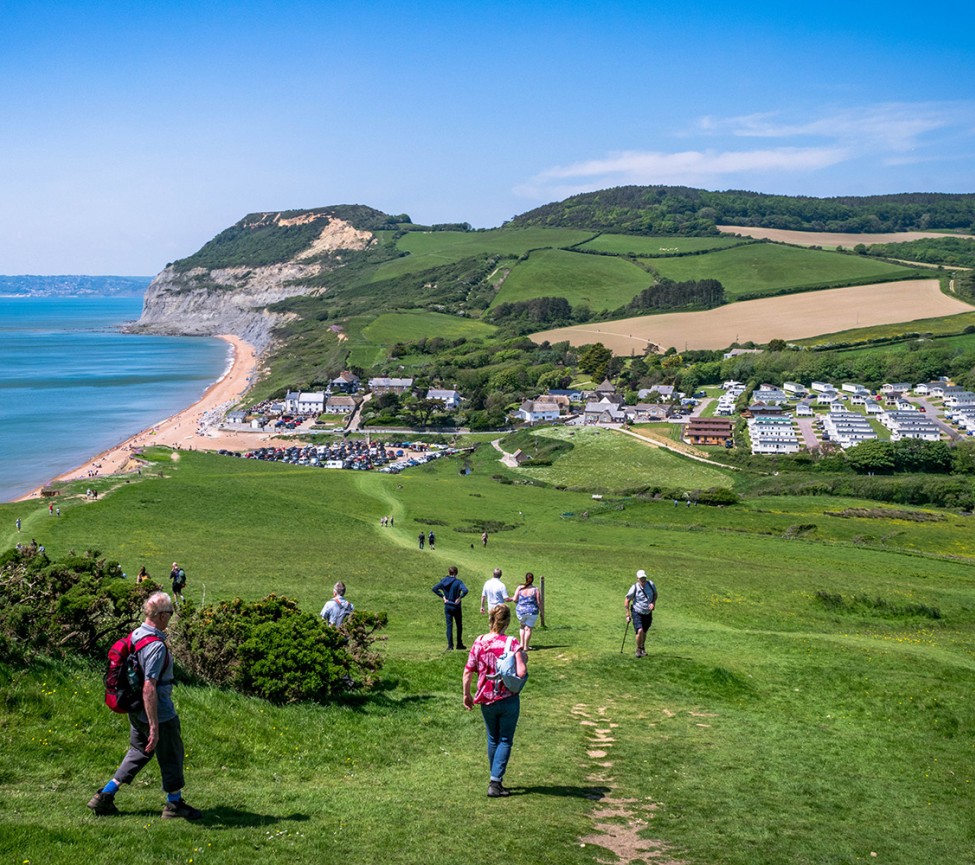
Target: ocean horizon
[73,385]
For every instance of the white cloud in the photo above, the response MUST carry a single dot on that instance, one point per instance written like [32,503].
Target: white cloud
[687,168]
[888,134]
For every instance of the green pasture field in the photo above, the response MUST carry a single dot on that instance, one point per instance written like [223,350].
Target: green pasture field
[769,723]
[392,327]
[651,247]
[759,268]
[433,248]
[947,330]
[605,462]
[600,281]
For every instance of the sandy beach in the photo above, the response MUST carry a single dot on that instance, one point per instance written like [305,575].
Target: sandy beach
[194,428]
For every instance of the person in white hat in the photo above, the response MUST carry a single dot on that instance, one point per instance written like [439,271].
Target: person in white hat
[639,604]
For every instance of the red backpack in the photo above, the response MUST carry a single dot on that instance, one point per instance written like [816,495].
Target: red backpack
[124,675]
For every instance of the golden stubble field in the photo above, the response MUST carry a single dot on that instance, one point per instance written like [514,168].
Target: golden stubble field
[828,238]
[792,316]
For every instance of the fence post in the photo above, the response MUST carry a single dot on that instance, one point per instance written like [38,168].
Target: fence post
[542,605]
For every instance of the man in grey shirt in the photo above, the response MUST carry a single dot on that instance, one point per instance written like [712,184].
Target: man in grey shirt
[154,729]
[338,609]
[639,604]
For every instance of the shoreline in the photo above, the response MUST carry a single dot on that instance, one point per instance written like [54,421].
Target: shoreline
[192,428]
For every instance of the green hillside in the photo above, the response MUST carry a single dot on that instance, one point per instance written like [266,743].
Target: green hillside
[597,281]
[810,666]
[758,269]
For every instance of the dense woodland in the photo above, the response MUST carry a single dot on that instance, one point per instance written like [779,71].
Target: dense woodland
[681,210]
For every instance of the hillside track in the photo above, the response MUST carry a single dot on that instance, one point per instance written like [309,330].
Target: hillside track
[789,317]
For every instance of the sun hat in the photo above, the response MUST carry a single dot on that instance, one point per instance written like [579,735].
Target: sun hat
[641,575]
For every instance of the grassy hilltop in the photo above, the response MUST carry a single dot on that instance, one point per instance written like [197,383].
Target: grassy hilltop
[807,697]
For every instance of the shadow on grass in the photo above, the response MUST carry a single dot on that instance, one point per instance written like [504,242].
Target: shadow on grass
[236,818]
[594,794]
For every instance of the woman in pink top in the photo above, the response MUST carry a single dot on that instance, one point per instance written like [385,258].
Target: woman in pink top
[499,706]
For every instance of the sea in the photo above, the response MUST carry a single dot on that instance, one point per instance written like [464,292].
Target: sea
[72,385]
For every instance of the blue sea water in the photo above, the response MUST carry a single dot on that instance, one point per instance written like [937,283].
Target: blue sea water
[72,385]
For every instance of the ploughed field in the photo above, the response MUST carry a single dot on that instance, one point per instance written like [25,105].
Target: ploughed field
[794,316]
[828,238]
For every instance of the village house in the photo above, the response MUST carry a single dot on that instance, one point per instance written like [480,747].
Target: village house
[304,402]
[645,412]
[604,411]
[382,385]
[345,382]
[794,389]
[804,409]
[821,386]
[900,387]
[450,398]
[339,404]
[535,411]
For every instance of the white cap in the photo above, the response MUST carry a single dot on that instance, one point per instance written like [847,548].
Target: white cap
[641,575]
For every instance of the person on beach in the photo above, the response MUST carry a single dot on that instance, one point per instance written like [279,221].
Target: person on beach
[154,730]
[493,593]
[338,609]
[452,590]
[528,607]
[639,604]
[499,707]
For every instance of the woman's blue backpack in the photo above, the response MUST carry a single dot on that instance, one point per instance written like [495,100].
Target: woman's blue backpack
[505,669]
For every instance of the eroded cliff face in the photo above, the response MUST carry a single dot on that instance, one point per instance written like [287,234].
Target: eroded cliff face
[234,300]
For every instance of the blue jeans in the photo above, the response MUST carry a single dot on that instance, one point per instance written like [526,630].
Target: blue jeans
[500,718]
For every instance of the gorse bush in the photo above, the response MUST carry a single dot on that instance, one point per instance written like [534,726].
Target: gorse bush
[78,605]
[271,649]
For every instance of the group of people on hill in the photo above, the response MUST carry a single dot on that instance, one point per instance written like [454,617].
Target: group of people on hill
[154,728]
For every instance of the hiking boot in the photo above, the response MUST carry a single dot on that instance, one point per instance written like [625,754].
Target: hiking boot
[496,790]
[103,804]
[461,648]
[180,808]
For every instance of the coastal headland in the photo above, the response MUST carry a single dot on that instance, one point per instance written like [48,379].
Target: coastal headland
[194,428]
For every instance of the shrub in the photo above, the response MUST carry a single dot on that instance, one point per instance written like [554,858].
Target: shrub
[271,649]
[75,605]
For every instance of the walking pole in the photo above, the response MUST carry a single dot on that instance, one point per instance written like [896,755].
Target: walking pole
[625,632]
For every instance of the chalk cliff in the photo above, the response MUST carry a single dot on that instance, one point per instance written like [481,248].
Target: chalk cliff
[229,284]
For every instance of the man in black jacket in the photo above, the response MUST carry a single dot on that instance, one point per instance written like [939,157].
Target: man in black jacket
[452,590]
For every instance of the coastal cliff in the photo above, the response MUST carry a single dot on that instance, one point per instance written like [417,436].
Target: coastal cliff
[227,287]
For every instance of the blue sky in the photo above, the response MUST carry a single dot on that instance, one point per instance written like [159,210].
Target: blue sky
[129,136]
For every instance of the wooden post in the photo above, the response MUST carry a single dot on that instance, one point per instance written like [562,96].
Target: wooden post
[542,604]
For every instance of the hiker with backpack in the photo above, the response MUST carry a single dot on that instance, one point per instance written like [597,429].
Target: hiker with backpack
[338,609]
[639,604]
[501,667]
[140,682]
[178,576]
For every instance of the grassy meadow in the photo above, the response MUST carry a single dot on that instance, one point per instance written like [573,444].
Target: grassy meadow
[432,248]
[760,268]
[651,247]
[806,699]
[600,282]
